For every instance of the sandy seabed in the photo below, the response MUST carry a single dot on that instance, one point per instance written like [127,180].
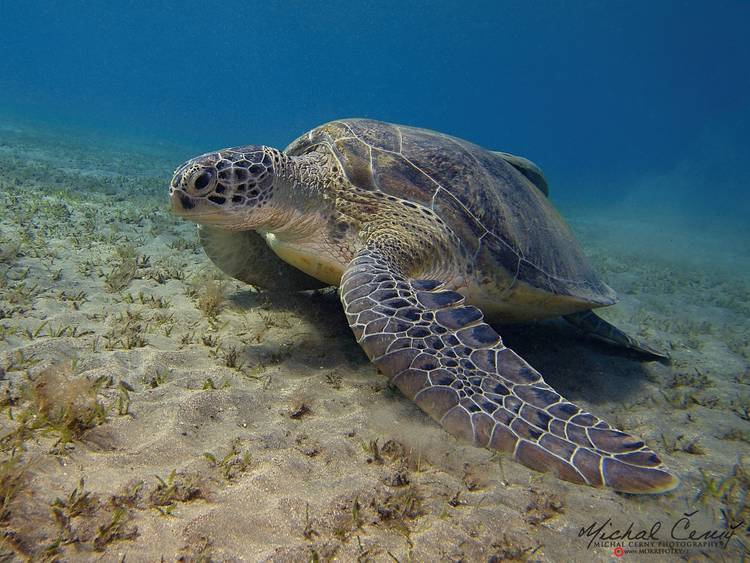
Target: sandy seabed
[152,409]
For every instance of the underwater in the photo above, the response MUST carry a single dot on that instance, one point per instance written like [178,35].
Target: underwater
[374,281]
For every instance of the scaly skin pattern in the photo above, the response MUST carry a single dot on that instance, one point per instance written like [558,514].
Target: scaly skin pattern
[441,354]
[413,225]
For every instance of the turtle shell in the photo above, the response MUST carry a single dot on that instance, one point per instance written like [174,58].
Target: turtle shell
[495,202]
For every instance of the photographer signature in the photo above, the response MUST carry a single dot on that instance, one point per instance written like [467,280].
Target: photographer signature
[682,530]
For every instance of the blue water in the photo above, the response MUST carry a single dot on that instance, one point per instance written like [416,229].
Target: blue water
[603,95]
[637,111]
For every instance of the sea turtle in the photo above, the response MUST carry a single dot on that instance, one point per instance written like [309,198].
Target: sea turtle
[421,230]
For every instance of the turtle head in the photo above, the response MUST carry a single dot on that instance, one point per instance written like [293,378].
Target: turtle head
[231,188]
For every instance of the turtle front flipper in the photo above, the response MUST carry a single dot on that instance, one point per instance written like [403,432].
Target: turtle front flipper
[592,324]
[441,354]
[244,255]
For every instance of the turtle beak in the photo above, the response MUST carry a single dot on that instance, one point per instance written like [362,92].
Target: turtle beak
[195,209]
[178,199]
[181,202]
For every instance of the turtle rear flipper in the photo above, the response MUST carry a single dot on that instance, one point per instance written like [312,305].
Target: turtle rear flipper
[442,355]
[592,324]
[244,255]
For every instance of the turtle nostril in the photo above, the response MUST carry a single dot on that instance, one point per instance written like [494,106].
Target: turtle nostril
[203,180]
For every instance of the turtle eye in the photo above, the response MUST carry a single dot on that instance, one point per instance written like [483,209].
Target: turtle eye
[203,180]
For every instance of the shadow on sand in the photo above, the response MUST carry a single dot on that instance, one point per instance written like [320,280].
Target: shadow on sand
[575,365]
